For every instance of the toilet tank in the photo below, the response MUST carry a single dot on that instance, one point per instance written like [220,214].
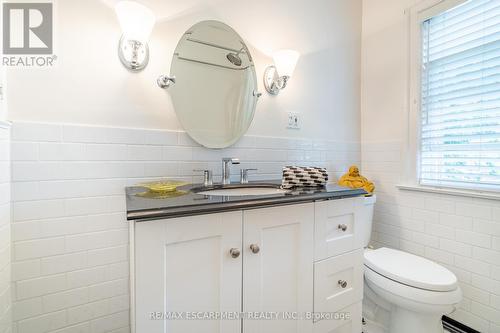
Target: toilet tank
[366,219]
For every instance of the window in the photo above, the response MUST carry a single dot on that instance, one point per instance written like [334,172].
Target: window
[460,97]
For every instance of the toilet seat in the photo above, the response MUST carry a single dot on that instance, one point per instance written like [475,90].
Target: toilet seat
[410,270]
[417,299]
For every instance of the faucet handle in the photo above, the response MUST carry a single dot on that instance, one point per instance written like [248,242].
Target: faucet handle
[232,160]
[244,175]
[207,177]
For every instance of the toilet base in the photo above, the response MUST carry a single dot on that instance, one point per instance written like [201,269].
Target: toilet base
[382,316]
[372,327]
[406,321]
[400,320]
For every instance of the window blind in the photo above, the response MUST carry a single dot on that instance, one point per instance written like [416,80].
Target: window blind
[460,91]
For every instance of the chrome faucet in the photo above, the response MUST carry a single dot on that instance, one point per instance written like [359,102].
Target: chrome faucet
[226,171]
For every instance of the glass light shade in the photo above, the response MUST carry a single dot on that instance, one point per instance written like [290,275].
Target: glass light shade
[136,20]
[285,61]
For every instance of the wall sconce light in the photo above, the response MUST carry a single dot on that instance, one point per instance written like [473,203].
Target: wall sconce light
[277,76]
[136,22]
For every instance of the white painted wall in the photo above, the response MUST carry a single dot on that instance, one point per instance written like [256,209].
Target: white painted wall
[460,232]
[90,86]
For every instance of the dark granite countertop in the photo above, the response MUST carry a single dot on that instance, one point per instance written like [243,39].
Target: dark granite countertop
[141,208]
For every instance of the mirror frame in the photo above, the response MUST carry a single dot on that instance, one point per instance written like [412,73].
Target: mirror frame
[167,81]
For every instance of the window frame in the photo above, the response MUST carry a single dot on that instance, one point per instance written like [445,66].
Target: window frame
[416,15]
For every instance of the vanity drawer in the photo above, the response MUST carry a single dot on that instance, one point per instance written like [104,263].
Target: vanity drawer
[337,227]
[338,282]
[351,323]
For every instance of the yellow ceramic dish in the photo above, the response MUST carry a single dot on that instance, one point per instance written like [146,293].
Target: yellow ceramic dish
[161,195]
[163,186]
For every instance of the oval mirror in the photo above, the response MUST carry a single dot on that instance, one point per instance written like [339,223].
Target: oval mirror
[215,90]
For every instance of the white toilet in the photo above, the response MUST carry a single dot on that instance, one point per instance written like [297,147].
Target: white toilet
[404,293]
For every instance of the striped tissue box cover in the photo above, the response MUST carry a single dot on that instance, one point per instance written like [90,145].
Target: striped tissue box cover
[294,176]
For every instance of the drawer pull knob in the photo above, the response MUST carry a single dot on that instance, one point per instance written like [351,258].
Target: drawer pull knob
[343,284]
[254,248]
[342,227]
[234,252]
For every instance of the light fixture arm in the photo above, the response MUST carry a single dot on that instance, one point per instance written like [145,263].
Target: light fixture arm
[276,76]
[133,54]
[135,45]
[281,82]
[273,82]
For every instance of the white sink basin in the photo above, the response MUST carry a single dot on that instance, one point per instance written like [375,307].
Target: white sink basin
[243,191]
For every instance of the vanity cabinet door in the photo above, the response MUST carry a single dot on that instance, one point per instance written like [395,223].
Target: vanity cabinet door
[184,266]
[278,267]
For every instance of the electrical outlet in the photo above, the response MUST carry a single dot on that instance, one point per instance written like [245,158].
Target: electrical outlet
[294,121]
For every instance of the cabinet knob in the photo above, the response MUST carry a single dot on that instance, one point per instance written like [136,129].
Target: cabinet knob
[234,252]
[254,248]
[342,227]
[343,284]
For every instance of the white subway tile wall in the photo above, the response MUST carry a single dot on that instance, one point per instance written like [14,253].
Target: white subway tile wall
[5,233]
[461,233]
[70,268]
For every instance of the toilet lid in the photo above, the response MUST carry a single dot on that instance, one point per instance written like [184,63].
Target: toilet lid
[410,269]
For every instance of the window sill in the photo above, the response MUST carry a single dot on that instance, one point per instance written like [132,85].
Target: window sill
[451,191]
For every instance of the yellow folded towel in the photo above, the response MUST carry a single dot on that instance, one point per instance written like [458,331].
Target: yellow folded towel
[353,179]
